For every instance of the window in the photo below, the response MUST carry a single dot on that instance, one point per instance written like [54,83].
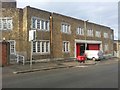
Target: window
[33,23]
[47,46]
[66,46]
[46,25]
[41,47]
[65,28]
[38,46]
[34,46]
[90,32]
[105,35]
[9,24]
[40,24]
[80,31]
[6,23]
[98,34]
[12,46]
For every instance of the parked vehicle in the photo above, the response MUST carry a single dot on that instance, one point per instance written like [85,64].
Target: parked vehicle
[94,54]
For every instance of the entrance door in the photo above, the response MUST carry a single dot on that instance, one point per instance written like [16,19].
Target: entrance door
[80,49]
[77,50]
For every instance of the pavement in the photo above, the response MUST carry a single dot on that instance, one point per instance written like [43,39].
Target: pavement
[41,66]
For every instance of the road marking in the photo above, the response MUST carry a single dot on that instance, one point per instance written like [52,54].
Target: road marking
[81,66]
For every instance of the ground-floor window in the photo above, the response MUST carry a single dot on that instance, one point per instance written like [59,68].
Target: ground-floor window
[41,46]
[66,46]
[12,46]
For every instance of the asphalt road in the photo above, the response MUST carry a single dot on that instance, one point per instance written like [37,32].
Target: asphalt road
[104,75]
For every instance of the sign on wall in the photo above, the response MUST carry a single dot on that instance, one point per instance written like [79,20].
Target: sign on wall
[32,35]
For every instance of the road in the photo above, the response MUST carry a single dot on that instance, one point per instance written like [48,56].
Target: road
[104,75]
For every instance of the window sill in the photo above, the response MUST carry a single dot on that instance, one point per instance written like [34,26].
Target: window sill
[40,29]
[41,53]
[66,52]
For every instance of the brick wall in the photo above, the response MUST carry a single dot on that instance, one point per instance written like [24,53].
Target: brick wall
[59,37]
[30,12]
[22,25]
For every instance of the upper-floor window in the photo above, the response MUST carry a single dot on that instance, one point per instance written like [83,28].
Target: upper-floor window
[65,28]
[90,32]
[98,34]
[6,23]
[40,24]
[105,35]
[80,31]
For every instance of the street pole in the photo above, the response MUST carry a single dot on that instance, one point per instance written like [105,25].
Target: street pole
[31,55]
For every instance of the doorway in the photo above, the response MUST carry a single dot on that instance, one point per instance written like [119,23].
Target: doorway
[80,49]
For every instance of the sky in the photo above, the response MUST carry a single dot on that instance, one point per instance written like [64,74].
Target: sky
[103,12]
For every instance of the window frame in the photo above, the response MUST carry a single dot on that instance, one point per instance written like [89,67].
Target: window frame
[4,21]
[42,24]
[105,35]
[98,34]
[90,32]
[42,45]
[65,28]
[14,45]
[80,31]
[66,47]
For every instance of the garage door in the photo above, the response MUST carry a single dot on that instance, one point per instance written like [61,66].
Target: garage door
[93,46]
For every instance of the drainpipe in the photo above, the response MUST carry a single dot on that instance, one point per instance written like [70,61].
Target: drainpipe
[85,28]
[51,36]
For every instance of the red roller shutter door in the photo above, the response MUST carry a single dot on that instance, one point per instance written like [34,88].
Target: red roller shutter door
[93,46]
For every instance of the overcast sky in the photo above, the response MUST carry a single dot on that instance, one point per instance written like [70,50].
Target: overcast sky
[104,12]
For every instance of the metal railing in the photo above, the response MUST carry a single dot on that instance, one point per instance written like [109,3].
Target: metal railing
[17,58]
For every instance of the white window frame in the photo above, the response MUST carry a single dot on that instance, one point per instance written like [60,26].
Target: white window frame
[105,35]
[42,22]
[98,34]
[66,28]
[14,50]
[67,49]
[8,21]
[34,47]
[44,47]
[38,24]
[80,31]
[90,32]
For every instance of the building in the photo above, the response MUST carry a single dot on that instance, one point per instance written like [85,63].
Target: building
[116,48]
[56,36]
